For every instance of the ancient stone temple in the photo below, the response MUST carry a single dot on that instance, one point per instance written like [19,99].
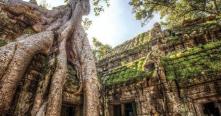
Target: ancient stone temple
[170,72]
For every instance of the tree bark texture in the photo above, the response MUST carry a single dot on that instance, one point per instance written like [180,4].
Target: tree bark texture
[91,85]
[58,35]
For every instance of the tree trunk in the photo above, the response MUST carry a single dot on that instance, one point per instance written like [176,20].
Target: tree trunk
[89,74]
[54,30]
[25,49]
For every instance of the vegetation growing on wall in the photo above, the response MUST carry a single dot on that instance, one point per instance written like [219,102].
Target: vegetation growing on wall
[200,28]
[100,49]
[193,62]
[183,64]
[128,71]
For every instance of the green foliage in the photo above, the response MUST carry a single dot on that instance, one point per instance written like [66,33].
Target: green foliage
[100,49]
[145,9]
[44,4]
[175,11]
[2,43]
[99,6]
[172,39]
[193,62]
[127,72]
[86,23]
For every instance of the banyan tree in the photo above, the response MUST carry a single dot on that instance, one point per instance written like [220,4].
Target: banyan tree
[43,48]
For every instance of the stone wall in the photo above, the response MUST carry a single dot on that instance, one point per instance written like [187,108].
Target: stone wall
[150,99]
[157,95]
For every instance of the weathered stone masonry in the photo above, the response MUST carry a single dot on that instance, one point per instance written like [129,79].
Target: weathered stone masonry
[175,79]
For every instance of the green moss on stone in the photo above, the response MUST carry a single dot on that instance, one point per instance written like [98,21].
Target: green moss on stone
[2,43]
[28,31]
[193,62]
[127,72]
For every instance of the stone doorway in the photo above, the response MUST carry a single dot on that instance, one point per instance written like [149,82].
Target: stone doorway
[68,110]
[117,110]
[130,109]
[124,109]
[211,109]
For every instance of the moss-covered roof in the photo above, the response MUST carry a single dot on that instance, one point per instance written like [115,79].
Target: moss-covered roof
[130,57]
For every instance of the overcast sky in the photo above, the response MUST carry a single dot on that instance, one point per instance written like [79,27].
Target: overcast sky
[116,24]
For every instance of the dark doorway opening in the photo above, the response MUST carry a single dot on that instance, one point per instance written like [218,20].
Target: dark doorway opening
[130,109]
[67,110]
[211,109]
[117,110]
[125,109]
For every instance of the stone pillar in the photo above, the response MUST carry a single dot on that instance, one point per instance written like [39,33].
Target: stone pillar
[78,111]
[122,110]
[156,54]
[139,109]
[106,108]
[111,110]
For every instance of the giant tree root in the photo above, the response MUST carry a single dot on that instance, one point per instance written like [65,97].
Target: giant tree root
[89,75]
[53,30]
[25,49]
